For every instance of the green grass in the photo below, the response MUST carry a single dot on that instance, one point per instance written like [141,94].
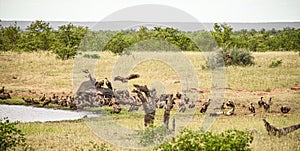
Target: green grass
[65,135]
[40,72]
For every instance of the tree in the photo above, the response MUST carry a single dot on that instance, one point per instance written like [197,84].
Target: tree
[222,34]
[68,38]
[9,37]
[39,36]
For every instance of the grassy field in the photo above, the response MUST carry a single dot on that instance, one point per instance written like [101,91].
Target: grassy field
[32,74]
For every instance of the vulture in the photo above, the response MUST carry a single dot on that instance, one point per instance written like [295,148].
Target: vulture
[252,108]
[2,90]
[116,108]
[266,106]
[205,106]
[133,76]
[142,89]
[4,96]
[223,106]
[261,102]
[182,108]
[42,98]
[270,101]
[28,100]
[285,109]
[34,101]
[192,105]
[230,104]
[161,104]
[186,99]
[46,102]
[181,103]
[108,84]
[122,79]
[133,108]
[230,112]
[99,84]
[125,79]
[178,95]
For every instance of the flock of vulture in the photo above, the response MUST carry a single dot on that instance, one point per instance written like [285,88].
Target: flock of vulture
[104,94]
[94,93]
[100,93]
[64,101]
[261,104]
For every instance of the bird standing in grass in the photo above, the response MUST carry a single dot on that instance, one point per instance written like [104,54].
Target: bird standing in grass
[252,108]
[2,90]
[261,102]
[192,105]
[205,106]
[186,99]
[42,98]
[46,102]
[270,102]
[285,109]
[178,95]
[27,100]
[266,106]
[230,104]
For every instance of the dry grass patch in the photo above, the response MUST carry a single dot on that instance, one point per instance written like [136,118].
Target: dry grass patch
[31,74]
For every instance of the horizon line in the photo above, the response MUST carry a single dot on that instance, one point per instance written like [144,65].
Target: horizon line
[154,21]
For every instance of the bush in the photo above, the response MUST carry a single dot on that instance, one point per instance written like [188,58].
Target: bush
[238,57]
[275,64]
[200,140]
[10,136]
[152,135]
[229,57]
[120,42]
[9,37]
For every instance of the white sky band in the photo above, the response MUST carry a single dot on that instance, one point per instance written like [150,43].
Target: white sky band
[203,10]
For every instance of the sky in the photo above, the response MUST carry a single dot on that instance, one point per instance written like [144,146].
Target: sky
[201,10]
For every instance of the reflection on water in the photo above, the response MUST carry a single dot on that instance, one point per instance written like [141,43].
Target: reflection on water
[33,114]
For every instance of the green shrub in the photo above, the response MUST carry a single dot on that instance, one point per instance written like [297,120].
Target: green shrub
[9,37]
[10,136]
[68,38]
[152,135]
[238,57]
[229,57]
[119,43]
[275,64]
[200,140]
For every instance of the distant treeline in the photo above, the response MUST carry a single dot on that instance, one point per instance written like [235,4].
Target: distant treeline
[67,39]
